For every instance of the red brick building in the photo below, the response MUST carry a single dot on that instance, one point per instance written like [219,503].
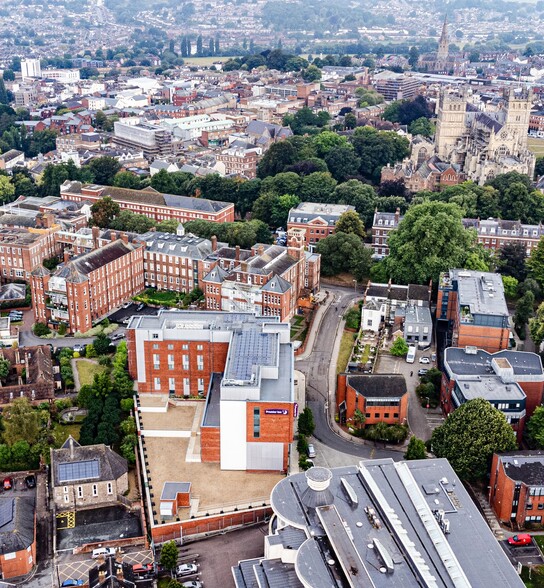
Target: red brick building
[316,220]
[268,280]
[516,492]
[474,305]
[382,398]
[17,536]
[86,288]
[242,364]
[240,162]
[152,203]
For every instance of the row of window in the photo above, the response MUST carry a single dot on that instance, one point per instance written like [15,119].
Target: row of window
[184,362]
[157,385]
[385,415]
[79,491]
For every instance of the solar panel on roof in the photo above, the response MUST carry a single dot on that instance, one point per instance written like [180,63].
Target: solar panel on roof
[79,470]
[6,512]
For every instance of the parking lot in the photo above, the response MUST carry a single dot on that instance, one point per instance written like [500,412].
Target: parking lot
[528,555]
[78,566]
[123,313]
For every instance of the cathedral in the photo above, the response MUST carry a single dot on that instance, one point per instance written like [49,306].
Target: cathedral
[485,144]
[469,143]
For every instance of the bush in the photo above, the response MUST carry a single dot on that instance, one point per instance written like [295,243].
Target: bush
[127,404]
[90,351]
[303,463]
[353,319]
[302,446]
[41,329]
[306,423]
[76,354]
[104,360]
[62,329]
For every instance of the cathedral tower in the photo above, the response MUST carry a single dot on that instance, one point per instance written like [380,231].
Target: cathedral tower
[450,126]
[518,112]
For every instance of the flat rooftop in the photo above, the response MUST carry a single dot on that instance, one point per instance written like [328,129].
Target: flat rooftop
[476,362]
[168,457]
[491,388]
[411,545]
[524,466]
[482,292]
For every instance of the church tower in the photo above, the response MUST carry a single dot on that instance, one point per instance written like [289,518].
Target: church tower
[443,44]
[450,126]
[518,112]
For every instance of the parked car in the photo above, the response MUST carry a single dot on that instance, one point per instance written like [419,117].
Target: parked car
[424,359]
[78,348]
[140,306]
[139,569]
[433,357]
[192,584]
[422,371]
[520,539]
[127,304]
[8,483]
[311,450]
[126,320]
[117,336]
[72,582]
[103,551]
[30,481]
[186,569]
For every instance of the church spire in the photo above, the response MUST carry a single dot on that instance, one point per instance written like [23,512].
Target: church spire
[443,44]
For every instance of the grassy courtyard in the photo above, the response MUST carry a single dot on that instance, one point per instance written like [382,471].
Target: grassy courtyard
[87,370]
[346,346]
[536,146]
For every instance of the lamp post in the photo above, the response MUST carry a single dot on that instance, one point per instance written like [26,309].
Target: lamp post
[355,286]
[428,403]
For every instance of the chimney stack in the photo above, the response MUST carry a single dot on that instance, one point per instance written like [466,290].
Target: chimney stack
[95,234]
[260,250]
[67,255]
[124,238]
[214,243]
[113,236]
[397,215]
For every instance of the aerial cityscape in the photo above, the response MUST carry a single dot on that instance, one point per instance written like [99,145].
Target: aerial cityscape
[271,294]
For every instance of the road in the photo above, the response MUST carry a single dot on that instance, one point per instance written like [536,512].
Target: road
[316,369]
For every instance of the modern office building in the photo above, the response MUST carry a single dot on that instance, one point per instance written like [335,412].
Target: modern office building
[241,363]
[512,381]
[474,305]
[379,524]
[516,492]
[154,140]
[31,68]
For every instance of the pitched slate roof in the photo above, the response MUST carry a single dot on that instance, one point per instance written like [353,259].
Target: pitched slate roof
[16,523]
[378,385]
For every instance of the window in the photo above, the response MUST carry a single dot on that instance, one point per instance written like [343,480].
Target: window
[157,384]
[170,362]
[80,491]
[256,422]
[65,489]
[376,415]
[185,346]
[200,362]
[529,507]
[172,384]
[156,361]
[95,490]
[66,498]
[200,347]
[155,335]
[385,415]
[185,362]
[396,415]
[200,385]
[110,488]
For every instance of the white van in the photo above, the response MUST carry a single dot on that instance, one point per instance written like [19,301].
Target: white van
[411,356]
[103,551]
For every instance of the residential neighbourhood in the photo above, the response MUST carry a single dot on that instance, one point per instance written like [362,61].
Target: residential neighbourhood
[271,295]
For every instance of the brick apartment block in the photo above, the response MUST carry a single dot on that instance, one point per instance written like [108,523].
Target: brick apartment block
[152,203]
[86,288]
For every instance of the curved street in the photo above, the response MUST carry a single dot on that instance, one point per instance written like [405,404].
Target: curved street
[316,366]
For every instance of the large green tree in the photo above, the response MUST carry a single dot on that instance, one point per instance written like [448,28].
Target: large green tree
[342,162]
[7,189]
[104,169]
[429,240]
[470,436]
[350,222]
[536,325]
[512,260]
[535,263]
[343,252]
[276,159]
[104,211]
[361,196]
[535,428]
[416,449]
[21,422]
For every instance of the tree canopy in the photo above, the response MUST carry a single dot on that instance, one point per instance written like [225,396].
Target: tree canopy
[430,239]
[469,437]
[343,252]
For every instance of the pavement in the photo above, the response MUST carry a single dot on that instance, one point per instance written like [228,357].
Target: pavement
[318,364]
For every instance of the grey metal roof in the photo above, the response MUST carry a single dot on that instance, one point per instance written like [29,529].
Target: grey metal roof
[277,284]
[308,211]
[378,385]
[492,389]
[420,315]
[212,411]
[250,348]
[409,539]
[187,246]
[171,489]
[460,361]
[482,292]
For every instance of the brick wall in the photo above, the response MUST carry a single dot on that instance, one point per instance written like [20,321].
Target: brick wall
[210,444]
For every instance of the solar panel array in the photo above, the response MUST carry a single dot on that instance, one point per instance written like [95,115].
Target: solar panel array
[6,512]
[79,470]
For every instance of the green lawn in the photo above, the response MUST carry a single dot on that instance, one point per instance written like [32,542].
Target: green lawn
[61,433]
[536,145]
[346,346]
[87,370]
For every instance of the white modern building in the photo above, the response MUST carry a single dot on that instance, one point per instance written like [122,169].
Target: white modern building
[31,68]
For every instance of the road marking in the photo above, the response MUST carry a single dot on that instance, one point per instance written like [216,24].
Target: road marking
[70,517]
